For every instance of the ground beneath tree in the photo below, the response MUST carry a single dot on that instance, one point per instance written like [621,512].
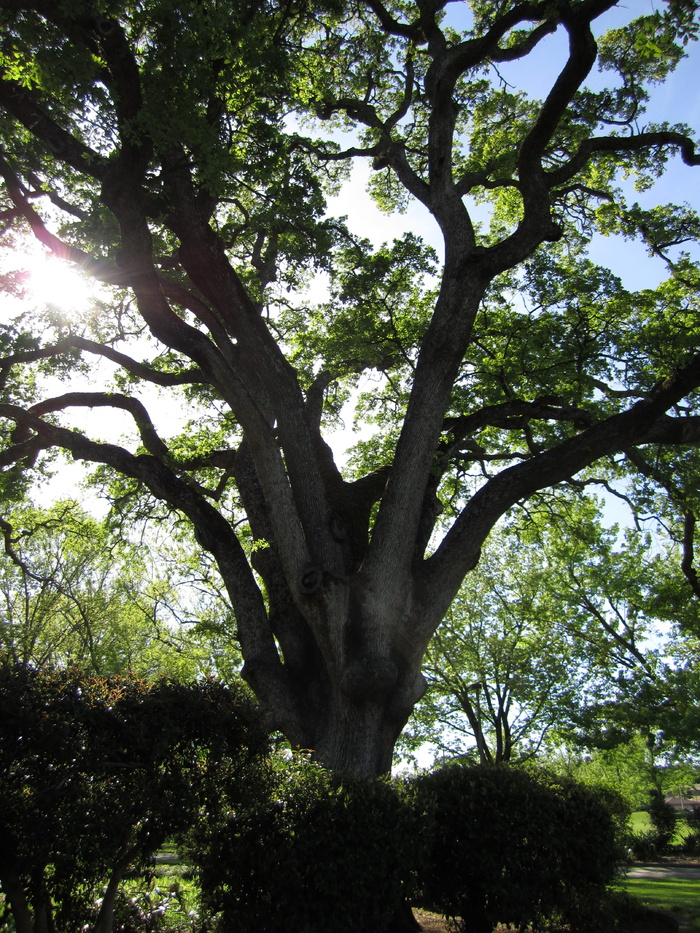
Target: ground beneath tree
[653,922]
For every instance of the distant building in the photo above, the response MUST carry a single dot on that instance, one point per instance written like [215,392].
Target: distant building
[688,800]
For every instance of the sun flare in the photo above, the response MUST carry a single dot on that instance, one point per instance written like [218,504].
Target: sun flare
[57,284]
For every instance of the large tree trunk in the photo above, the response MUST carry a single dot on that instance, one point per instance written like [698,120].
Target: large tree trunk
[349,716]
[17,899]
[359,736]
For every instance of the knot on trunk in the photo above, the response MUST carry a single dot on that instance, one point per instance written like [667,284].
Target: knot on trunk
[370,678]
[406,697]
[310,580]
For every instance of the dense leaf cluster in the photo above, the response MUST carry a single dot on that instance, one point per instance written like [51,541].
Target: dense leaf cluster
[516,847]
[95,774]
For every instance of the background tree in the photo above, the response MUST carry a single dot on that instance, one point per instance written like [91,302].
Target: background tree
[185,153]
[75,591]
[503,670]
[554,632]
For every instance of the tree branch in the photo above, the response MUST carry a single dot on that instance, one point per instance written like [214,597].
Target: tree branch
[151,441]
[139,370]
[620,144]
[212,530]
[687,567]
[441,574]
[20,102]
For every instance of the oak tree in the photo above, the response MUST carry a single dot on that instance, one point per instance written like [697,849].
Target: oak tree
[182,153]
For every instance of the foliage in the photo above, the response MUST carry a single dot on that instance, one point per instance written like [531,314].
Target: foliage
[663,818]
[662,709]
[691,841]
[316,852]
[512,846]
[563,637]
[628,768]
[96,774]
[183,154]
[76,591]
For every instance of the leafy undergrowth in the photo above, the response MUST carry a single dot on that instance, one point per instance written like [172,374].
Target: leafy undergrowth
[168,902]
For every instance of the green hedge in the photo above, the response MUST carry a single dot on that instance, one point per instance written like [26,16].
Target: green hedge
[515,847]
[327,854]
[318,853]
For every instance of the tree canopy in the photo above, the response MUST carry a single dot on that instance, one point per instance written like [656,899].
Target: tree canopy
[578,639]
[182,154]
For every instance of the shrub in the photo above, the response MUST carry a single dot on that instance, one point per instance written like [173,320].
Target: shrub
[590,844]
[325,854]
[95,774]
[663,818]
[515,847]
[691,842]
[645,846]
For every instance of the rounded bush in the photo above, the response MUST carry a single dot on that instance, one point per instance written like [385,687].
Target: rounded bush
[514,847]
[327,855]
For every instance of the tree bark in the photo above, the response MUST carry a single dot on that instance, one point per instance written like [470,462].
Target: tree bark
[21,912]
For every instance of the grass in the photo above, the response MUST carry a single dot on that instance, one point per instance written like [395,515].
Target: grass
[678,895]
[640,823]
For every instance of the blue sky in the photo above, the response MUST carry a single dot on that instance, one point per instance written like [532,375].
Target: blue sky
[675,101]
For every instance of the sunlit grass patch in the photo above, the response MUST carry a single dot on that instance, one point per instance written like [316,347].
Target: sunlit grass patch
[169,899]
[675,894]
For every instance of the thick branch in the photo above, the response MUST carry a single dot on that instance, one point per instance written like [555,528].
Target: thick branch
[620,144]
[98,268]
[261,366]
[687,567]
[140,370]
[511,415]
[443,572]
[212,530]
[20,102]
[153,444]
[411,31]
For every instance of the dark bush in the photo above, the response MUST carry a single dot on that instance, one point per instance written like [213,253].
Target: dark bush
[514,847]
[591,842]
[645,846]
[96,773]
[323,854]
[691,843]
[663,818]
